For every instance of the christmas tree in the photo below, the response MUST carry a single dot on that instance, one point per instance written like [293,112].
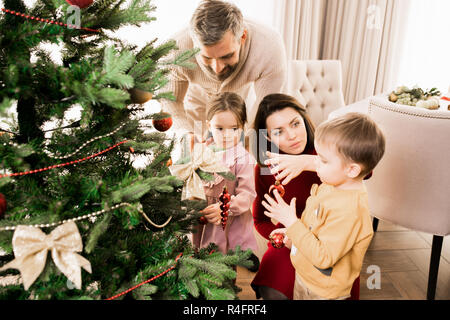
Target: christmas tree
[77,219]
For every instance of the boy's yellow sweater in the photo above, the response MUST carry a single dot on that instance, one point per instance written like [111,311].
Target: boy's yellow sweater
[330,239]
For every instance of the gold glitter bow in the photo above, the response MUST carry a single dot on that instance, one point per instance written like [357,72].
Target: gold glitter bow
[30,247]
[202,158]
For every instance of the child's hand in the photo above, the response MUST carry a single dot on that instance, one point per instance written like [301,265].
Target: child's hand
[212,213]
[289,166]
[280,210]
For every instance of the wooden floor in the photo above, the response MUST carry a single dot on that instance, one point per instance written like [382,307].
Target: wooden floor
[403,258]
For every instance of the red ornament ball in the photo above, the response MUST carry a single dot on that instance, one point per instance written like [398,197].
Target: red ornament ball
[277,240]
[225,197]
[202,220]
[224,206]
[80,3]
[276,186]
[162,122]
[224,213]
[2,205]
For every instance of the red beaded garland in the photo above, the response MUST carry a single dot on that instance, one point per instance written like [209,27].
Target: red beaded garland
[62,164]
[147,281]
[46,20]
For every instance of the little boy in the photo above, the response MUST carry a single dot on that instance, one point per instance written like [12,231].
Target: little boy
[330,240]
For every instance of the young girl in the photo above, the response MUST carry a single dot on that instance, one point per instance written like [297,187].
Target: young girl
[226,119]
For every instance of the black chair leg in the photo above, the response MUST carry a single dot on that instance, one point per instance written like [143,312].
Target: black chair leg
[434,266]
[375,224]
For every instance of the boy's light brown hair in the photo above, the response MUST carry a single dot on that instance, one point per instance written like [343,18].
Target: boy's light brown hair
[356,137]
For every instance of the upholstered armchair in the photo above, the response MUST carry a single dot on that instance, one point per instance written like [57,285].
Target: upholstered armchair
[410,187]
[317,85]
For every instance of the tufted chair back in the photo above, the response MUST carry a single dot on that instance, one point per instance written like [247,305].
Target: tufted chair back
[317,85]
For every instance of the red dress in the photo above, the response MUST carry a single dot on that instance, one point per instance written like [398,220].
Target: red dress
[276,270]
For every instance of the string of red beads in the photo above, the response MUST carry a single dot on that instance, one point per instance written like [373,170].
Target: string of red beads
[146,281]
[62,164]
[12,12]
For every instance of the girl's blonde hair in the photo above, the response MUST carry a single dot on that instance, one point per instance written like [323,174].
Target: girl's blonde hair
[229,101]
[356,137]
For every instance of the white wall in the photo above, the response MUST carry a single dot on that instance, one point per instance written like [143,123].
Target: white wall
[172,15]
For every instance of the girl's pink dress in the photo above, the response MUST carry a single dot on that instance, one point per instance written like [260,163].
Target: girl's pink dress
[239,228]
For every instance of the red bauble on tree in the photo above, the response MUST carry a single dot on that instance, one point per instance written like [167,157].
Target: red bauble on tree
[202,220]
[162,121]
[80,3]
[2,205]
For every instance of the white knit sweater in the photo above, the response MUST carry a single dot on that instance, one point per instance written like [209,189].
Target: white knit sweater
[262,62]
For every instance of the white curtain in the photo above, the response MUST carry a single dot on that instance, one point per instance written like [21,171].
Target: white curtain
[426,54]
[365,35]
[300,23]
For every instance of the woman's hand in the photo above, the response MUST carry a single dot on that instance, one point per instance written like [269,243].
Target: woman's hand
[289,166]
[212,213]
[280,210]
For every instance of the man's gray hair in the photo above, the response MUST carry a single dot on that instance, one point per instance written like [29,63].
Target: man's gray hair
[212,19]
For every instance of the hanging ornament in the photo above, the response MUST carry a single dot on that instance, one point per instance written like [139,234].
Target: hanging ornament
[276,186]
[202,220]
[139,96]
[31,245]
[224,199]
[80,3]
[277,240]
[202,158]
[162,121]
[2,205]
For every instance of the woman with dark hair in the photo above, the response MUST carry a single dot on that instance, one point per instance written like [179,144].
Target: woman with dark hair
[282,126]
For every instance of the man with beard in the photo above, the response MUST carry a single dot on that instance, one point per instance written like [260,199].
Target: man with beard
[234,55]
